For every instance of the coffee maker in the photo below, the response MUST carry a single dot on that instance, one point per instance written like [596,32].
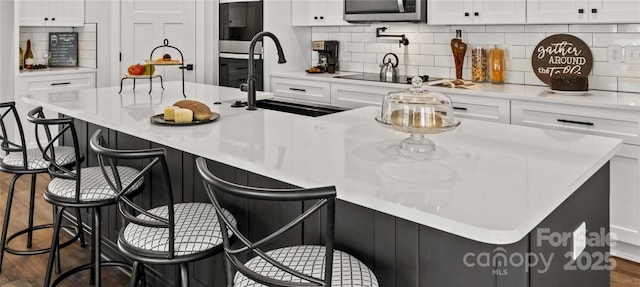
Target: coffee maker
[327,55]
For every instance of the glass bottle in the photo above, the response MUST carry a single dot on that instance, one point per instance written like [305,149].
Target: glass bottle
[478,64]
[28,56]
[21,59]
[459,49]
[496,65]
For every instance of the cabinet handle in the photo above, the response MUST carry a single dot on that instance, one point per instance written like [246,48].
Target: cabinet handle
[53,19]
[581,11]
[297,90]
[594,10]
[466,14]
[321,17]
[476,14]
[575,122]
[46,19]
[61,84]
[315,17]
[460,108]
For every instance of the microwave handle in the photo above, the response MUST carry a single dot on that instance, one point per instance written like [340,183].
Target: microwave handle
[401,6]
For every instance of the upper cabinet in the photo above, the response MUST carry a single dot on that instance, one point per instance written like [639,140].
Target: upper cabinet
[583,11]
[317,13]
[461,12]
[67,13]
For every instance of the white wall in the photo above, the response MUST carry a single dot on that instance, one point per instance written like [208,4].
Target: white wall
[99,12]
[9,60]
[429,51]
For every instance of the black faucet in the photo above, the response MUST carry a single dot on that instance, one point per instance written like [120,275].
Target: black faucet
[250,86]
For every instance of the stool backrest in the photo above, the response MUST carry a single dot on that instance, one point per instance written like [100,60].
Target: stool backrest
[323,197]
[8,111]
[47,141]
[130,211]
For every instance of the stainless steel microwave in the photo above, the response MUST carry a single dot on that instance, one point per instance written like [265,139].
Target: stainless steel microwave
[385,10]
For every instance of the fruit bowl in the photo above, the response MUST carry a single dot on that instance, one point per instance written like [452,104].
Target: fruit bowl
[418,112]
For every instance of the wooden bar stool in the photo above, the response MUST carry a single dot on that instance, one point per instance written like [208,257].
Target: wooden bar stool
[77,187]
[173,233]
[303,265]
[22,161]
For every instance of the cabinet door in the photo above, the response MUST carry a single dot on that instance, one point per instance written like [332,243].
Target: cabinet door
[557,11]
[356,96]
[625,198]
[306,12]
[486,109]
[32,12]
[614,11]
[312,91]
[499,11]
[446,12]
[66,13]
[334,13]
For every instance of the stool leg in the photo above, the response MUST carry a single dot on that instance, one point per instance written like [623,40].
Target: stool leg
[96,245]
[83,242]
[134,274]
[54,245]
[184,274]
[7,212]
[31,209]
[143,280]
[57,254]
[92,279]
[228,272]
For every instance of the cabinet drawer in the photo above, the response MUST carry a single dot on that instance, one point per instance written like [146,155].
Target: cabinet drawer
[612,123]
[486,109]
[57,83]
[301,90]
[356,96]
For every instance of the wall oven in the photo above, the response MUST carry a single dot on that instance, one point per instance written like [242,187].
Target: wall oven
[239,21]
[385,10]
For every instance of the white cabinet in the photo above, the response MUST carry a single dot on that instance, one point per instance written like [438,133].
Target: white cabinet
[66,13]
[625,165]
[583,11]
[62,86]
[486,109]
[317,13]
[301,90]
[457,12]
[353,96]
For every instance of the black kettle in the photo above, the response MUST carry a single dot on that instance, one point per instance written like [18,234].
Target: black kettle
[389,70]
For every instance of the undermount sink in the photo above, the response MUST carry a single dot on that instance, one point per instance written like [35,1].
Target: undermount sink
[296,108]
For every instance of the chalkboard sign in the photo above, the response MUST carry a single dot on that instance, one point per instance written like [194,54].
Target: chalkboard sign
[561,54]
[63,49]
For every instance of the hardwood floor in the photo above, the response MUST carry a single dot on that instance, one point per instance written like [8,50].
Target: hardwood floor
[28,271]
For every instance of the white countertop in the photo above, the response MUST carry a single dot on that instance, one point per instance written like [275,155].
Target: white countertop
[594,98]
[55,71]
[494,184]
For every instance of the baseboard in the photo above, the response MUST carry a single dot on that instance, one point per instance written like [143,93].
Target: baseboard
[626,251]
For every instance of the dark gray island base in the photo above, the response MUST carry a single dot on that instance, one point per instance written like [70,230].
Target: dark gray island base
[400,252]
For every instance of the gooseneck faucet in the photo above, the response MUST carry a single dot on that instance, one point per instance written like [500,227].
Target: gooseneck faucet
[251,80]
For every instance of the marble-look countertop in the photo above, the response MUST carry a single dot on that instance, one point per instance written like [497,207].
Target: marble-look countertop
[492,183]
[594,98]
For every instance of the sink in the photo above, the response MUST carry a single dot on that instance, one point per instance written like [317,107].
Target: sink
[296,108]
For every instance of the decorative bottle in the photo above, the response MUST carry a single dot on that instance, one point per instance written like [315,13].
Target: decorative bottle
[459,49]
[496,65]
[478,64]
[28,56]
[21,59]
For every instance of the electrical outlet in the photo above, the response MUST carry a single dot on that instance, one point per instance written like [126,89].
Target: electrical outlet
[615,54]
[579,240]
[632,55]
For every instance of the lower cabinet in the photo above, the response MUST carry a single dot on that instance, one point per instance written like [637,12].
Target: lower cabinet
[625,165]
[64,85]
[352,96]
[301,90]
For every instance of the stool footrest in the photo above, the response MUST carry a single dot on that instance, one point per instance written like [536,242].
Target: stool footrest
[89,266]
[43,250]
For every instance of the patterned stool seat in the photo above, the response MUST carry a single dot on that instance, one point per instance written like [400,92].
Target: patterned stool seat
[309,259]
[64,156]
[196,229]
[93,186]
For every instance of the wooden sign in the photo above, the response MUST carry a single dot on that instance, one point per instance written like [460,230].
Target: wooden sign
[561,53]
[63,49]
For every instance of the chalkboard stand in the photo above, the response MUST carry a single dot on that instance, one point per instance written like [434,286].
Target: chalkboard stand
[179,63]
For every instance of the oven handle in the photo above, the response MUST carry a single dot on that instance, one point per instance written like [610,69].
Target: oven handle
[240,56]
[401,6]
[237,1]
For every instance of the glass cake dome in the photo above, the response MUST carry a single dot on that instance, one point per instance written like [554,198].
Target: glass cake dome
[418,112]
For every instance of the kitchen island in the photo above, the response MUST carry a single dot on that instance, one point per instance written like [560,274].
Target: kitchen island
[496,192]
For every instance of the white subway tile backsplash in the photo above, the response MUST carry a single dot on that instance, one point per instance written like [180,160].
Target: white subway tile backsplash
[87,42]
[429,51]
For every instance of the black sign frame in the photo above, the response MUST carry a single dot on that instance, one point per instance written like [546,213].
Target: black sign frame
[63,49]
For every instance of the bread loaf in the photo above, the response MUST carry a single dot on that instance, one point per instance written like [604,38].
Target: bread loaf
[200,111]
[170,113]
[183,115]
[416,119]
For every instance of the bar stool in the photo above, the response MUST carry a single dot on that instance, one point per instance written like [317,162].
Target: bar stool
[20,161]
[174,233]
[304,265]
[77,187]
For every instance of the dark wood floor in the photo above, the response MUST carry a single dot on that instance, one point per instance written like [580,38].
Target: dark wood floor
[27,271]
[19,271]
